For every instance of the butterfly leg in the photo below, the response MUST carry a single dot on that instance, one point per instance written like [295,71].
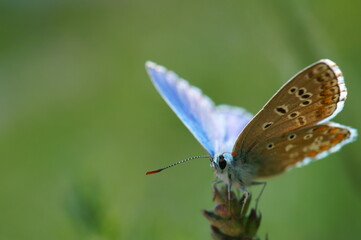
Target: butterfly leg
[229,188]
[260,194]
[246,195]
[214,186]
[216,182]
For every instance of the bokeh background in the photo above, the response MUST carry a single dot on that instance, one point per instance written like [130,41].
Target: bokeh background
[81,122]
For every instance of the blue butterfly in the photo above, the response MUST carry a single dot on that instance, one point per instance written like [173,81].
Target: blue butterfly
[292,129]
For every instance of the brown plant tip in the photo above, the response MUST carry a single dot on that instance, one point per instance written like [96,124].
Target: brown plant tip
[222,210]
[227,222]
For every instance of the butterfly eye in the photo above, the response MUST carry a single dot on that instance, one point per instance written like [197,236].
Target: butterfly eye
[222,163]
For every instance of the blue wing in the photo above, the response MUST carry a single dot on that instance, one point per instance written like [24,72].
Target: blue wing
[234,121]
[215,127]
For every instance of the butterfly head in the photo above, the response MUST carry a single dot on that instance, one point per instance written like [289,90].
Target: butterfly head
[223,165]
[221,162]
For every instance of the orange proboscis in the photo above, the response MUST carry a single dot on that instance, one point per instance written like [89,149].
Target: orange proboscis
[152,172]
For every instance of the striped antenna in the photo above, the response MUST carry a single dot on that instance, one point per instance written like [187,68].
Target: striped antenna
[185,160]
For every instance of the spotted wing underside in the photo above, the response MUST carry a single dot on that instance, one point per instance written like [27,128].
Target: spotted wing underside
[311,97]
[299,148]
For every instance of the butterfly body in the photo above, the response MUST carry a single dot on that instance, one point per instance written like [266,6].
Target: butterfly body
[292,129]
[232,172]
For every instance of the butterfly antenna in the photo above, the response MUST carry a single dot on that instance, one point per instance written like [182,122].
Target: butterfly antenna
[174,164]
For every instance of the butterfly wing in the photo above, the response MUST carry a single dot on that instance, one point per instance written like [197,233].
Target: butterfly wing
[234,120]
[299,147]
[210,124]
[314,95]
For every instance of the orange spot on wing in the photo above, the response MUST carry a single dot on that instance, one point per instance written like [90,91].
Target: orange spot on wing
[321,128]
[234,154]
[324,147]
[312,154]
[335,141]
[326,92]
[333,130]
[340,136]
[327,100]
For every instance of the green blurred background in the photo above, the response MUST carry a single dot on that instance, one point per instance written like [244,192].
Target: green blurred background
[81,122]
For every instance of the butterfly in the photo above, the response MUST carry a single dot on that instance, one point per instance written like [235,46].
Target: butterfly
[292,129]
